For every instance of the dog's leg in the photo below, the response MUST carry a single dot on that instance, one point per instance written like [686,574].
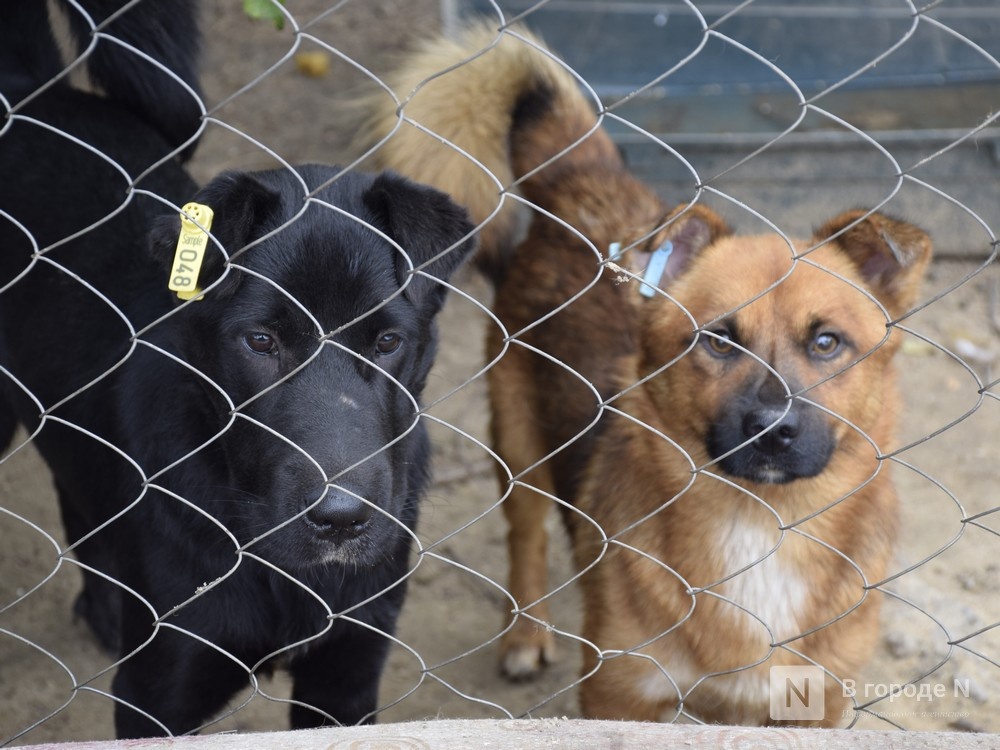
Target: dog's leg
[338,677]
[615,691]
[527,645]
[174,678]
[99,603]
[167,673]
[620,685]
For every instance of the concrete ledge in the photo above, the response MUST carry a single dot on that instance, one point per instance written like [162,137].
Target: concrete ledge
[551,734]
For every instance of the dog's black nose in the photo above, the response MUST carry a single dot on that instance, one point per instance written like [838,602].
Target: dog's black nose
[777,439]
[339,513]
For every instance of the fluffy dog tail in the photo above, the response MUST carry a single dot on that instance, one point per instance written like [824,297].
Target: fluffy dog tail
[489,111]
[118,58]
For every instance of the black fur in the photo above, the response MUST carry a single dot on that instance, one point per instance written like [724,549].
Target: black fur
[246,468]
[115,57]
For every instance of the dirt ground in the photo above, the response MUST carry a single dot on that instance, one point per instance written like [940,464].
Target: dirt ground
[939,629]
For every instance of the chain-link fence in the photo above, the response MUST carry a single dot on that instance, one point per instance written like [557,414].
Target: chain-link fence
[776,117]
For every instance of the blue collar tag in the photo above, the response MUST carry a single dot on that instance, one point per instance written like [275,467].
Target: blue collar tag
[655,268]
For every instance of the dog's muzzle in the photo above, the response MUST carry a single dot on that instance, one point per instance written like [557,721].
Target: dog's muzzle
[771,444]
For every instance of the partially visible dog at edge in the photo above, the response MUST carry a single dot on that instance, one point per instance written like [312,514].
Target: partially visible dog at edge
[713,434]
[238,471]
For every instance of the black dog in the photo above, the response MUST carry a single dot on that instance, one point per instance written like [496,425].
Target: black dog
[238,474]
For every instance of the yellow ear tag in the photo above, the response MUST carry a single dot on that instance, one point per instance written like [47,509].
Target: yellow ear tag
[191,246]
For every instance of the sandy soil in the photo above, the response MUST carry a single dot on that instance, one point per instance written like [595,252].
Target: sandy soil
[940,628]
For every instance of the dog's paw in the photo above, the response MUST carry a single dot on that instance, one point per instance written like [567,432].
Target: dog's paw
[525,650]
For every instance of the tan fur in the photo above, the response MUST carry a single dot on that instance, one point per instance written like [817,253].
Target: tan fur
[689,545]
[465,91]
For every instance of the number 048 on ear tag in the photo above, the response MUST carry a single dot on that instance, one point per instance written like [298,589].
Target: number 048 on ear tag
[196,220]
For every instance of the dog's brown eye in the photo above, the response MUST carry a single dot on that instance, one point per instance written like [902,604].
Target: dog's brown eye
[826,344]
[260,343]
[387,343]
[719,342]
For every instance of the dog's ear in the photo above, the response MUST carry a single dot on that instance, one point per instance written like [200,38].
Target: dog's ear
[242,208]
[689,228]
[431,228]
[891,255]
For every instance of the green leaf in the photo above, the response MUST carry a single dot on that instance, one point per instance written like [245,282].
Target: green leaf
[266,10]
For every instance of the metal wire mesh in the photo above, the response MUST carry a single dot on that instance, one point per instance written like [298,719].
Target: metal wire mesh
[832,146]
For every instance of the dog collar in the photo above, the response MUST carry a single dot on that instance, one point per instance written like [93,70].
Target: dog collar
[655,268]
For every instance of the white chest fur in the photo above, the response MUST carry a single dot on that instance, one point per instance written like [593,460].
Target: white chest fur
[769,593]
[760,603]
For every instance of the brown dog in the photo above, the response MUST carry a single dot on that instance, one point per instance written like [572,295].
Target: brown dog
[714,440]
